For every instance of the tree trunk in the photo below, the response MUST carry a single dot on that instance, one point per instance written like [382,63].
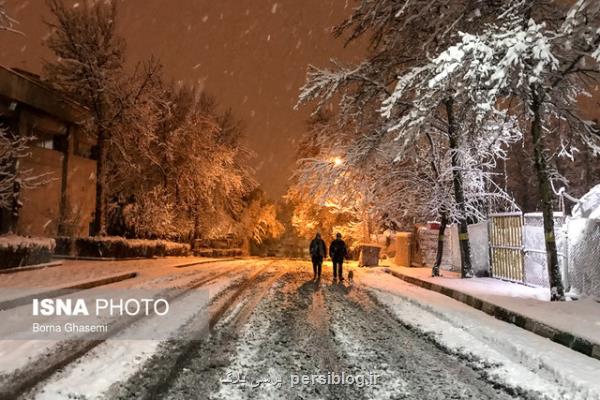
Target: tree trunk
[459,195]
[197,225]
[9,216]
[63,229]
[545,193]
[15,206]
[100,216]
[435,271]
[246,246]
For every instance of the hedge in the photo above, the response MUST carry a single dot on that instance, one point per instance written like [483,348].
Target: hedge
[19,251]
[217,253]
[118,247]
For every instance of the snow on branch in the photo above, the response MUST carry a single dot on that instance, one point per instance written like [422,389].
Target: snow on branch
[12,177]
[7,23]
[324,84]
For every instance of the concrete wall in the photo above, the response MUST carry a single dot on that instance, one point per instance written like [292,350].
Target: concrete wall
[40,213]
[479,243]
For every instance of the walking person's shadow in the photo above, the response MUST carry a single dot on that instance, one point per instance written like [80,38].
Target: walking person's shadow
[312,285]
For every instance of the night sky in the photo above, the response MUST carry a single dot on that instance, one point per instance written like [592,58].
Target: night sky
[252,54]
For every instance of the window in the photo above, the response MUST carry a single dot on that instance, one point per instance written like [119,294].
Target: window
[45,144]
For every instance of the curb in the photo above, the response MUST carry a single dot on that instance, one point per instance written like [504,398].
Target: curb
[60,291]
[191,264]
[566,339]
[85,258]
[31,267]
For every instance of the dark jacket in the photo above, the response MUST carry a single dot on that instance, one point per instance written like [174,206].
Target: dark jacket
[338,250]
[318,248]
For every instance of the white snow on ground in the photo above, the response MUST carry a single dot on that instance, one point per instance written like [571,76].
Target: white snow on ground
[489,288]
[520,358]
[118,359]
[236,310]
[357,354]
[15,354]
[78,270]
[581,318]
[247,355]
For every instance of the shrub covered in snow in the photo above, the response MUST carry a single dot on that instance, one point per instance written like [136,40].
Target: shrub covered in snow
[118,247]
[17,251]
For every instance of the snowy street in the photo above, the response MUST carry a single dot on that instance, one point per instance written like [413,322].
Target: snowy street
[174,175]
[269,331]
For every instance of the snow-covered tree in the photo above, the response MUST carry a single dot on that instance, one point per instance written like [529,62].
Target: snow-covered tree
[536,62]
[258,220]
[396,59]
[13,178]
[7,23]
[11,149]
[176,149]
[89,67]
[328,191]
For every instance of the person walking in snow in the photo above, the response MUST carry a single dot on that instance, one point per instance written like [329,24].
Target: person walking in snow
[338,252]
[318,250]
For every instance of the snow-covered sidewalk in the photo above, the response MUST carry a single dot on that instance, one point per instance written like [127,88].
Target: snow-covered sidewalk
[79,270]
[575,324]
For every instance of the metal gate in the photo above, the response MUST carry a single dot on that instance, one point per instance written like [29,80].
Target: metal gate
[506,246]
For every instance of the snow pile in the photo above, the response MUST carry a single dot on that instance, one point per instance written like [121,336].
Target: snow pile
[589,205]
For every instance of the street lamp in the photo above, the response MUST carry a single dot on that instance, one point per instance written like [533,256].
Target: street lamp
[338,161]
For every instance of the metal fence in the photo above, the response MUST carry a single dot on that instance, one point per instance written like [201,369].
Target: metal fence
[584,256]
[515,244]
[534,248]
[518,250]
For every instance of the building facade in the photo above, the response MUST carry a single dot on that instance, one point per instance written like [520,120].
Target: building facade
[60,153]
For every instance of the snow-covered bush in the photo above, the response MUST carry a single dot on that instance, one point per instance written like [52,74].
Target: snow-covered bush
[118,247]
[18,251]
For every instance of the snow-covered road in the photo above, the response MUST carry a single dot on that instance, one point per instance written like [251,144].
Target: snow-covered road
[271,332]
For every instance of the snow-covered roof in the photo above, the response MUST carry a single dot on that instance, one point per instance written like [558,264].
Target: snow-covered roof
[26,89]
